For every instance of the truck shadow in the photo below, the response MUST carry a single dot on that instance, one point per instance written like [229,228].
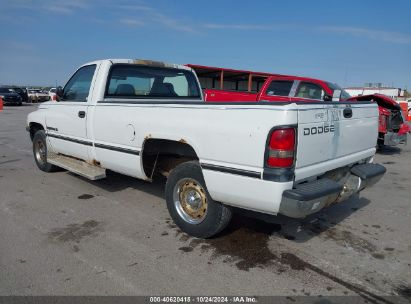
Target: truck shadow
[387,150]
[249,222]
[245,242]
[302,230]
[115,182]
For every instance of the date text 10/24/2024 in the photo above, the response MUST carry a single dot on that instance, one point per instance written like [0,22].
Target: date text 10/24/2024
[203,299]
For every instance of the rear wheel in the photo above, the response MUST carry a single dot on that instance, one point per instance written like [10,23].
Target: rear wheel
[40,152]
[190,204]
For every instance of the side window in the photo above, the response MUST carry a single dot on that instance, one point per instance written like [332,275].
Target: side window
[310,90]
[78,87]
[279,88]
[134,81]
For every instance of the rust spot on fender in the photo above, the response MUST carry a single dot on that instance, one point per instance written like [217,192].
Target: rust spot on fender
[96,163]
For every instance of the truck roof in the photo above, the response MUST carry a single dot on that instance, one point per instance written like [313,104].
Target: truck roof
[142,62]
[200,68]
[211,70]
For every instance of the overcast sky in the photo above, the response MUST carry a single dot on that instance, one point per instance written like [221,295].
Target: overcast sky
[349,42]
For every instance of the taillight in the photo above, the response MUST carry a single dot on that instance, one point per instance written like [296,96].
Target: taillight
[281,148]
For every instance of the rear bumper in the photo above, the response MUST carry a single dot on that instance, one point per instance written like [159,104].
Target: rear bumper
[311,197]
[394,139]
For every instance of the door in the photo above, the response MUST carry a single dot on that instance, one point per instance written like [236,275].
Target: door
[67,122]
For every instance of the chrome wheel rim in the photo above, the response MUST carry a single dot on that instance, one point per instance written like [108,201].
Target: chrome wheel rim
[190,200]
[40,152]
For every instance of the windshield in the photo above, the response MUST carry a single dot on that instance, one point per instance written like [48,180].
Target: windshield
[344,93]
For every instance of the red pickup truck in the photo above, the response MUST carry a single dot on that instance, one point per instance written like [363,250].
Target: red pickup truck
[222,85]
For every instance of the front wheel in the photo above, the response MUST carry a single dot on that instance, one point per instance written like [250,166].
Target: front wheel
[191,206]
[40,152]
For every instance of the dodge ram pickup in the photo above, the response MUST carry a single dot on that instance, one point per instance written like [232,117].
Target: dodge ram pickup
[145,119]
[224,85]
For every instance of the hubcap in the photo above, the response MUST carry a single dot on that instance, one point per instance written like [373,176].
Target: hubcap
[40,151]
[190,200]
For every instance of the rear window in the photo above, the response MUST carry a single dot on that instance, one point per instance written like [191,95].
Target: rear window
[279,88]
[134,81]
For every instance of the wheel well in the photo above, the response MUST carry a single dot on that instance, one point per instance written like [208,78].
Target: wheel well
[34,127]
[160,156]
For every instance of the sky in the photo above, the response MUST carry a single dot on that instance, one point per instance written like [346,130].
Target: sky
[349,42]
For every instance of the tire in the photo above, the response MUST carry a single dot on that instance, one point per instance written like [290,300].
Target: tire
[191,206]
[40,152]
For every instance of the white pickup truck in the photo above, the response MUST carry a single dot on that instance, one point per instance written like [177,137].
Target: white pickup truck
[145,118]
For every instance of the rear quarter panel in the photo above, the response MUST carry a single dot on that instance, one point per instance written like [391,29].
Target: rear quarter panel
[230,136]
[226,134]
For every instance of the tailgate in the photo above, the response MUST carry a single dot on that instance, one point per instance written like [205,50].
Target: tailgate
[334,135]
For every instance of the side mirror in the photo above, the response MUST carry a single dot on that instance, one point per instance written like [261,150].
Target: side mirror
[337,95]
[59,92]
[327,97]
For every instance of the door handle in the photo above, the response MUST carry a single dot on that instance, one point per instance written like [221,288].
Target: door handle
[347,112]
[81,114]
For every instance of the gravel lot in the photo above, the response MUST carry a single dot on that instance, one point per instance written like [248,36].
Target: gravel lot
[61,234]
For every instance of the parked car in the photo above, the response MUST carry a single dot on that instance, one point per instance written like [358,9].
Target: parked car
[37,95]
[224,85]
[392,127]
[144,118]
[10,97]
[52,94]
[21,92]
